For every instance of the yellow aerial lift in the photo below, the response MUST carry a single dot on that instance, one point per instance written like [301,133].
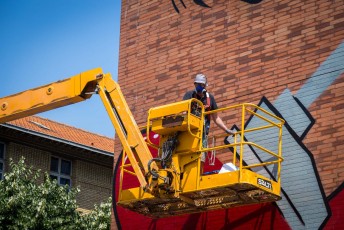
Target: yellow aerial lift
[171,183]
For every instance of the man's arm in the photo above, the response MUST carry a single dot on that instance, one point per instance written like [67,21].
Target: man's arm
[218,121]
[216,118]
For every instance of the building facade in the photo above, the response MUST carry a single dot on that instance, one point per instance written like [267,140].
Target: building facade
[286,56]
[70,155]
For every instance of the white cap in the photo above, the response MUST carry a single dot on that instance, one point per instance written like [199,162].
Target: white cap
[201,78]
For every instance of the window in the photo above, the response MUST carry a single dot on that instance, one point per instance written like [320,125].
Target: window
[2,160]
[61,170]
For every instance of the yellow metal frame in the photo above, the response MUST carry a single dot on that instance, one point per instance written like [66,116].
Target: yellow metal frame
[192,186]
[178,109]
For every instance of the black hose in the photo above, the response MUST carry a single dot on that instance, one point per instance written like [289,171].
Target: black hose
[154,173]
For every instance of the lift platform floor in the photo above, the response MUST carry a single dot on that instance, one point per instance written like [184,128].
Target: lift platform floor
[221,197]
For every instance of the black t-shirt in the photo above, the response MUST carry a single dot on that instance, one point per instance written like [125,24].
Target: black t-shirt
[192,94]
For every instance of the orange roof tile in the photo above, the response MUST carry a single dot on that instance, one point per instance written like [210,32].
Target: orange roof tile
[65,132]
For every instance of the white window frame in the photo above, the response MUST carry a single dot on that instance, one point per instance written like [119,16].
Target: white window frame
[2,160]
[58,174]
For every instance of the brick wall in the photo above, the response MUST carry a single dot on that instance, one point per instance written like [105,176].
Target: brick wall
[247,51]
[280,50]
[94,181]
[39,159]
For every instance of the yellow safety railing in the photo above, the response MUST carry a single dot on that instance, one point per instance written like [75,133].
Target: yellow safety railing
[247,109]
[273,122]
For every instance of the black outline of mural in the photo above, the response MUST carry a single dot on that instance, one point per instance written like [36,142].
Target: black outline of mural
[338,190]
[302,145]
[331,69]
[203,4]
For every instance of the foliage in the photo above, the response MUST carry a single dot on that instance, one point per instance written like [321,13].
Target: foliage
[25,204]
[99,218]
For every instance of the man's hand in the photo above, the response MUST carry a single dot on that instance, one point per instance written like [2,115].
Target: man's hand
[230,132]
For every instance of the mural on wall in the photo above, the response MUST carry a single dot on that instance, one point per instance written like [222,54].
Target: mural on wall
[304,204]
[198,2]
[203,4]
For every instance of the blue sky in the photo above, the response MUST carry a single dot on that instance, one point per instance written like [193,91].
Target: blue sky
[43,41]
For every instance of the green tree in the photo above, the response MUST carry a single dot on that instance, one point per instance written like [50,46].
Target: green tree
[26,204]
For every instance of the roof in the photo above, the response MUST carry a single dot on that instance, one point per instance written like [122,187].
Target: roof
[53,130]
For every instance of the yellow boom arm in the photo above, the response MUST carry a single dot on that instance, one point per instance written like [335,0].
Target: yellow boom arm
[79,88]
[172,182]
